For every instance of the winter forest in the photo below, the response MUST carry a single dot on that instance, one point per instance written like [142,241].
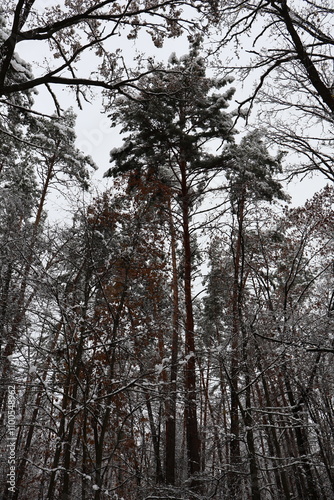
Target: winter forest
[166,328]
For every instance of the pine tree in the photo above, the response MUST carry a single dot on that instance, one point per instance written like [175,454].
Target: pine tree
[169,125]
[251,175]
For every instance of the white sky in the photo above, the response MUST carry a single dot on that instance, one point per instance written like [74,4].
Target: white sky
[96,138]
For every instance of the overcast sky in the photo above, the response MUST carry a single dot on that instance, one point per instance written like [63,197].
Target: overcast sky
[96,138]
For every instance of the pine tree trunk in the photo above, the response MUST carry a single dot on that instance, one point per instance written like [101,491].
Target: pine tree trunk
[170,465]
[193,441]
[234,480]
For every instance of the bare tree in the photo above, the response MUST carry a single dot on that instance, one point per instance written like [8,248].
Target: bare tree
[289,60]
[70,32]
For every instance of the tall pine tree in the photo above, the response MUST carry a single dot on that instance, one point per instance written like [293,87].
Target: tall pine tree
[170,123]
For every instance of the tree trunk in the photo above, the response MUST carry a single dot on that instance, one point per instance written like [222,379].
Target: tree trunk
[234,479]
[170,465]
[193,441]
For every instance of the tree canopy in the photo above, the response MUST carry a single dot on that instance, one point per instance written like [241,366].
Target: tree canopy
[169,335]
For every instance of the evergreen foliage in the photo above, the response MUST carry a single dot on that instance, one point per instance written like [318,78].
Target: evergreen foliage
[172,338]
